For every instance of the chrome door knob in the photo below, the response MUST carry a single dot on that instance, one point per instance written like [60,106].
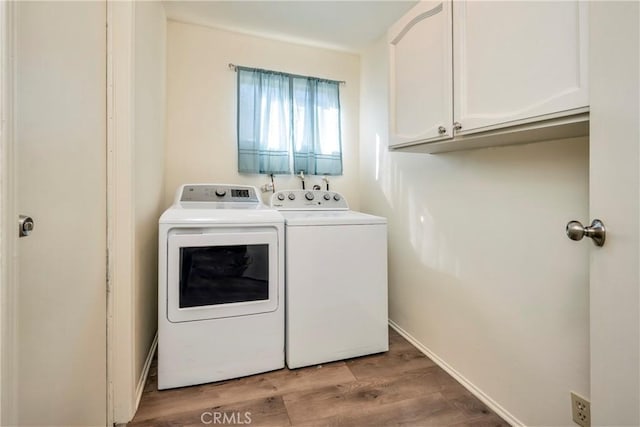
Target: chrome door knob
[596,231]
[442,130]
[25,225]
[457,126]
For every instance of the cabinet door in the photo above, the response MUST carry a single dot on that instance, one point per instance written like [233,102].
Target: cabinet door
[517,62]
[420,50]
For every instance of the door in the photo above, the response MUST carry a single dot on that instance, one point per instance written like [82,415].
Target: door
[518,61]
[59,366]
[614,198]
[420,73]
[221,273]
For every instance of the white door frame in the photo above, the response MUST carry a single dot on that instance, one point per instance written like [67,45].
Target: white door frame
[121,376]
[8,215]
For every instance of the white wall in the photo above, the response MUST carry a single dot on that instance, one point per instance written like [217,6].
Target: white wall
[480,271]
[201,104]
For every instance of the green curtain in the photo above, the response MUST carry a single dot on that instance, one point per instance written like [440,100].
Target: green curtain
[264,122]
[280,114]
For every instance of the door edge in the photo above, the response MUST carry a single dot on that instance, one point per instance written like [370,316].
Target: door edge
[8,215]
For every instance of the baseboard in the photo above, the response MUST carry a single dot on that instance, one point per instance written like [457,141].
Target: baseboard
[145,372]
[484,398]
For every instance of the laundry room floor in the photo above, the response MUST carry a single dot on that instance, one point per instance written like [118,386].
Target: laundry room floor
[400,387]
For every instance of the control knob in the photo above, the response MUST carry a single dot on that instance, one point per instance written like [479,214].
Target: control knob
[308,195]
[220,192]
[292,196]
[281,196]
[327,196]
[336,197]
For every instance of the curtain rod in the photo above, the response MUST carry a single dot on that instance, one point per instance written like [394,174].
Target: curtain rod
[234,67]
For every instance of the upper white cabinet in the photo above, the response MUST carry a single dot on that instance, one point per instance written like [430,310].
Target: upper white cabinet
[518,61]
[494,71]
[421,74]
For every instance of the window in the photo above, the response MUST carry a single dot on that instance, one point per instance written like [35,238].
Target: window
[288,124]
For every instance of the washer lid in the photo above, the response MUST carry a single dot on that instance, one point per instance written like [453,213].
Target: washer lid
[302,218]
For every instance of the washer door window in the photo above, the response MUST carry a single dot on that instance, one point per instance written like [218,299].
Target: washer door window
[221,274]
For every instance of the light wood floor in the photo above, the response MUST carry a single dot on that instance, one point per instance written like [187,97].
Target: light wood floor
[400,387]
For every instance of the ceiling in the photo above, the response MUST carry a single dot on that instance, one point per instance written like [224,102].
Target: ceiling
[341,25]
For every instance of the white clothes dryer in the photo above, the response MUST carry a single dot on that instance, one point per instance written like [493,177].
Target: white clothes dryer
[221,286]
[336,278]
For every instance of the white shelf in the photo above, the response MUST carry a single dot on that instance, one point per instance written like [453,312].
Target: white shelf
[544,130]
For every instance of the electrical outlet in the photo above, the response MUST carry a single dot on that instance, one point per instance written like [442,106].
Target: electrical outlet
[581,410]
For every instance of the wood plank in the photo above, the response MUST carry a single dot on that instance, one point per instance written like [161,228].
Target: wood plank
[429,410]
[166,402]
[468,404]
[400,387]
[269,411]
[291,380]
[354,397]
[491,420]
[401,358]
[397,341]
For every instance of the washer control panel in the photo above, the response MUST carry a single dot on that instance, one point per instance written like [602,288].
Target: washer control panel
[218,193]
[308,200]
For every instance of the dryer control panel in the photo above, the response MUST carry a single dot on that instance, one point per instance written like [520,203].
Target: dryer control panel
[299,200]
[218,193]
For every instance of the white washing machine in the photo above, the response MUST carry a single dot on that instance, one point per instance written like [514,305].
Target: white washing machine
[221,286]
[336,278]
